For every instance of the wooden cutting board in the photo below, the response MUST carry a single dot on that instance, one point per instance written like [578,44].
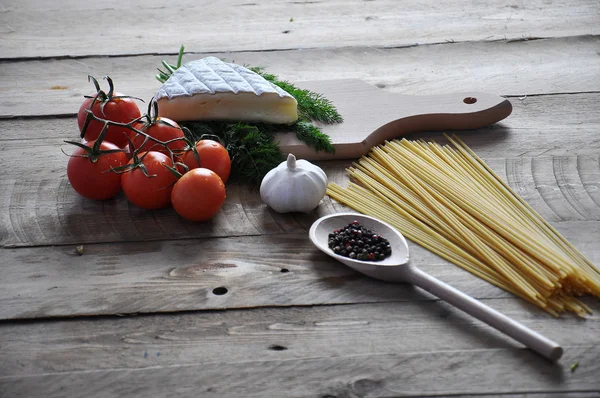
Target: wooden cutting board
[373,115]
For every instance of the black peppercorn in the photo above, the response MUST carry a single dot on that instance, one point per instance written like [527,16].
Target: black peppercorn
[355,241]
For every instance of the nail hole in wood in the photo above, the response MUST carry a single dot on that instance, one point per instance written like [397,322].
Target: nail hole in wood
[276,347]
[219,291]
[470,100]
[284,270]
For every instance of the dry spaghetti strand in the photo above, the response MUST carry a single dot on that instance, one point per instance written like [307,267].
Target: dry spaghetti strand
[448,200]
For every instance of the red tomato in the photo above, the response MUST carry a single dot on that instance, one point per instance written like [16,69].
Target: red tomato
[121,110]
[163,129]
[198,195]
[150,192]
[92,179]
[212,156]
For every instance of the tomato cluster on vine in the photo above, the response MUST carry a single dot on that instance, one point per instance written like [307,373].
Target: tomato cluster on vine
[154,161]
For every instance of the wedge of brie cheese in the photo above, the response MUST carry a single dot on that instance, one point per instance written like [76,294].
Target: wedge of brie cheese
[210,89]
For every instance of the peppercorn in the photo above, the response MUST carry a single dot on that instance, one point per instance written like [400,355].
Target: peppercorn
[357,242]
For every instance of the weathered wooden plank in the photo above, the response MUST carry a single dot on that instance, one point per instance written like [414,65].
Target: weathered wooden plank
[40,208]
[271,270]
[423,374]
[539,125]
[56,87]
[562,394]
[182,275]
[48,210]
[35,29]
[558,187]
[300,332]
[528,150]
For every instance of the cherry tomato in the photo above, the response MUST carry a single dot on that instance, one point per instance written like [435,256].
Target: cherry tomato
[121,110]
[93,180]
[163,129]
[198,195]
[149,192]
[212,156]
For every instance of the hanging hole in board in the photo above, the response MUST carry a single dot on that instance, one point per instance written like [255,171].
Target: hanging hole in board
[470,100]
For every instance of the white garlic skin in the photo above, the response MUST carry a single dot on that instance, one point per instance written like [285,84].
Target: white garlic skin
[294,186]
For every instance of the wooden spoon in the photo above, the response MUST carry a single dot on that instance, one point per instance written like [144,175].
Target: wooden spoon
[397,268]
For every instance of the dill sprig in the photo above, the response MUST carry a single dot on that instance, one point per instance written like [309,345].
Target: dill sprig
[251,146]
[311,105]
[312,136]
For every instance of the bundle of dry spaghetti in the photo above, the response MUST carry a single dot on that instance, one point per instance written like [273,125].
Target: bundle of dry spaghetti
[448,200]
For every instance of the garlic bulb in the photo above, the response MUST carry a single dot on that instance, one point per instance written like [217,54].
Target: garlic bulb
[294,185]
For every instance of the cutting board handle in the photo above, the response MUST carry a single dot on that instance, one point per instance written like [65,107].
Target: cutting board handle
[372,116]
[458,111]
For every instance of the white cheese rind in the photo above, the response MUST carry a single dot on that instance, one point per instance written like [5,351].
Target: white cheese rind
[210,89]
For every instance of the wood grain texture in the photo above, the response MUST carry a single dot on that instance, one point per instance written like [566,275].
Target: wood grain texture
[563,394]
[300,332]
[315,328]
[271,270]
[56,87]
[40,30]
[94,343]
[390,375]
[537,126]
[177,276]
[432,341]
[416,374]
[559,177]
[420,375]
[48,211]
[42,210]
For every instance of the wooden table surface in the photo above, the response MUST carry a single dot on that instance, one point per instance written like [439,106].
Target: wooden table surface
[140,314]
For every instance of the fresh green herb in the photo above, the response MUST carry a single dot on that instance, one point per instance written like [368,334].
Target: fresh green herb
[312,136]
[164,76]
[251,146]
[311,105]
[574,366]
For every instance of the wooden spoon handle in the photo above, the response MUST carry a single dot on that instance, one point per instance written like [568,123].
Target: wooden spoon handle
[508,326]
